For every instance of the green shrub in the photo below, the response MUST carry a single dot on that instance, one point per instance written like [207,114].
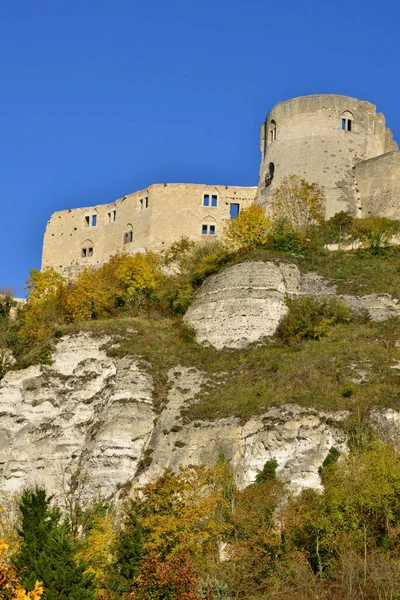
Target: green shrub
[268,473]
[376,232]
[312,318]
[331,459]
[210,264]
[340,228]
[285,239]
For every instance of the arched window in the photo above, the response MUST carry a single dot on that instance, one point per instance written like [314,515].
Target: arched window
[272,131]
[210,198]
[128,234]
[347,121]
[87,249]
[208,226]
[269,174]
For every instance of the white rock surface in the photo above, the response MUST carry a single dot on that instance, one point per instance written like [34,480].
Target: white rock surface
[86,414]
[245,302]
[242,304]
[91,417]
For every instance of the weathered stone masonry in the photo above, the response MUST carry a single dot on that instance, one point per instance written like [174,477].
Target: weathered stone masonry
[339,142]
[326,139]
[150,219]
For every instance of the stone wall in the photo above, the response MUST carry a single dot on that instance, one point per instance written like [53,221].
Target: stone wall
[152,218]
[378,182]
[304,136]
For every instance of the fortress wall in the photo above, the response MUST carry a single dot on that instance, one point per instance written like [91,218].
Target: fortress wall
[378,182]
[310,143]
[67,231]
[171,211]
[179,210]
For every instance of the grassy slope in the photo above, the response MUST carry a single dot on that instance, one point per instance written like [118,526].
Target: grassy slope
[352,368]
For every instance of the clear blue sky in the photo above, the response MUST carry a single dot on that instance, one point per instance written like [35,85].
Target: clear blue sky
[100,98]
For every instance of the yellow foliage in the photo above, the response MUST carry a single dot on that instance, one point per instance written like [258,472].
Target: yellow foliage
[42,314]
[376,232]
[42,284]
[97,551]
[138,274]
[90,296]
[249,230]
[183,512]
[298,202]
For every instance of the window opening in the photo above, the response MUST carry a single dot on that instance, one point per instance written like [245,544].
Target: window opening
[146,202]
[87,221]
[141,203]
[204,229]
[269,174]
[128,235]
[214,200]
[94,220]
[234,210]
[206,200]
[272,131]
[212,229]
[87,249]
[347,121]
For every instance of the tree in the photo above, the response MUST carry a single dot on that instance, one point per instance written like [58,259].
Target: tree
[249,230]
[96,550]
[90,296]
[47,552]
[127,550]
[10,584]
[376,232]
[7,330]
[340,227]
[138,275]
[299,203]
[182,512]
[173,579]
[42,313]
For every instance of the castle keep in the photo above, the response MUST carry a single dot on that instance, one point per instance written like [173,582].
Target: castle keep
[339,142]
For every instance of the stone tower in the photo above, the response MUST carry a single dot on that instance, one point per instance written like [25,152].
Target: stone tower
[322,138]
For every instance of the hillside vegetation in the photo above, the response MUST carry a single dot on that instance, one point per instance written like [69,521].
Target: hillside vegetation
[323,354]
[193,535]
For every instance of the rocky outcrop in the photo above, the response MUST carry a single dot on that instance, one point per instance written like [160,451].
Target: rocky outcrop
[86,417]
[242,304]
[245,302]
[89,419]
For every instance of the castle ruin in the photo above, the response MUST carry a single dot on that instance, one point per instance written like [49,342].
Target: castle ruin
[339,142]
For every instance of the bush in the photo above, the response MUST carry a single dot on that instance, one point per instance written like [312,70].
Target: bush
[250,229]
[210,264]
[312,318]
[376,232]
[285,239]
[340,228]
[299,203]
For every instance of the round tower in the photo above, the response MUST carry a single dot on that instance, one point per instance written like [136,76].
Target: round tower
[321,138]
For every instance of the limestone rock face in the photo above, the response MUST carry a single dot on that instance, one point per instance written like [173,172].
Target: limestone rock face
[242,304]
[245,302]
[90,418]
[86,416]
